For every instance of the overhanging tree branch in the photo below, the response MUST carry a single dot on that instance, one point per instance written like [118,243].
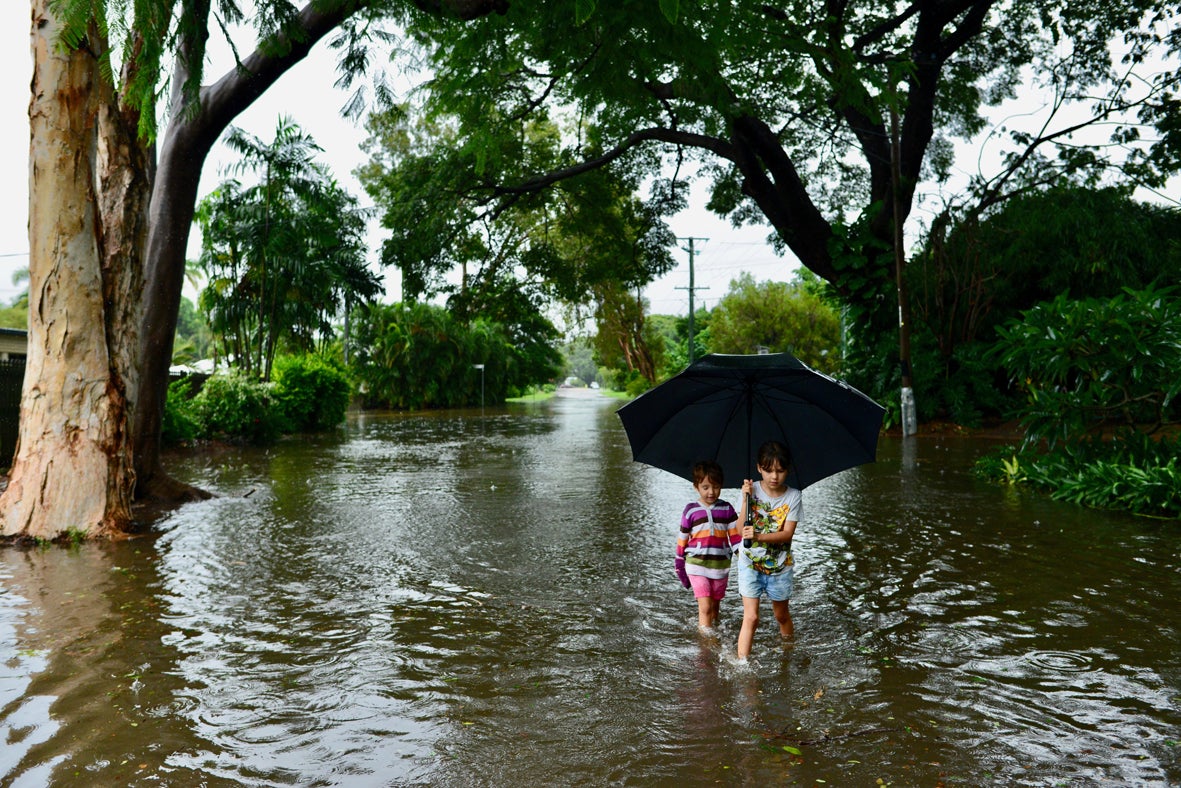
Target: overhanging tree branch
[633,140]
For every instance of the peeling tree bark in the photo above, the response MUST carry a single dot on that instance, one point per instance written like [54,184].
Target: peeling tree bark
[73,465]
[107,238]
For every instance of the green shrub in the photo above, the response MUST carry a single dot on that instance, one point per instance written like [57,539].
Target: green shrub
[1095,363]
[637,384]
[1089,367]
[311,393]
[181,422]
[1132,472]
[238,408]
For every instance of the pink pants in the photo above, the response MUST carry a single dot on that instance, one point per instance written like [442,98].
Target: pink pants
[707,587]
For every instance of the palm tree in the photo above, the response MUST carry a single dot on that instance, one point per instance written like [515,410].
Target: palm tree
[284,256]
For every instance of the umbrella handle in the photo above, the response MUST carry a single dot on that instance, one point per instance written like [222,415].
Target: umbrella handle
[750,520]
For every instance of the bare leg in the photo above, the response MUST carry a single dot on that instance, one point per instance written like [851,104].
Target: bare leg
[705,612]
[783,616]
[750,622]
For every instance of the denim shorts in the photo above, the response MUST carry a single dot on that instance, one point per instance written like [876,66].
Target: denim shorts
[778,587]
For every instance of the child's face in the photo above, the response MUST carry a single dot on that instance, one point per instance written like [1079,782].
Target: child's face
[709,490]
[774,477]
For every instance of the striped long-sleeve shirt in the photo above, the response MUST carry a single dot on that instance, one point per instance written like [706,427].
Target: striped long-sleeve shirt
[706,540]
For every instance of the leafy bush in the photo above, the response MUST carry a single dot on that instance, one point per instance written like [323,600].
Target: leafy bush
[182,419]
[312,394]
[1092,366]
[1133,472]
[238,408]
[1095,363]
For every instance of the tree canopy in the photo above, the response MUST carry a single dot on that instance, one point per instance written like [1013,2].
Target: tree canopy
[784,318]
[788,109]
[589,243]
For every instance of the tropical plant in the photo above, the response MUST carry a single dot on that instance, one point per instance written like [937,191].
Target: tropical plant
[1096,363]
[282,257]
[1100,379]
[1134,472]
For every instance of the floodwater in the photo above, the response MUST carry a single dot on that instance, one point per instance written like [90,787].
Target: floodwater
[488,599]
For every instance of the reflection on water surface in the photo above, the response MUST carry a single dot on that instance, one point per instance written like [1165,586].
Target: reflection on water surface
[456,599]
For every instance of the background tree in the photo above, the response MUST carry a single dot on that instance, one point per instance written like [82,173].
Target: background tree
[580,360]
[193,339]
[282,257]
[625,340]
[577,245]
[784,318]
[674,335]
[788,109]
[415,355]
[16,314]
[969,278]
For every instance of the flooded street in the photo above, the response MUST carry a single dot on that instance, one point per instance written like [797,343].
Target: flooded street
[488,599]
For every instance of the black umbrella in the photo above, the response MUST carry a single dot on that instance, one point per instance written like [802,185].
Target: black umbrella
[724,407]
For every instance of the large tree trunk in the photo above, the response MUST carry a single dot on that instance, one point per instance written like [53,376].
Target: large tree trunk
[194,125]
[73,467]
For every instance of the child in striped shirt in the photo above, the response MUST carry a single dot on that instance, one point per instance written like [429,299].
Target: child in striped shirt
[708,537]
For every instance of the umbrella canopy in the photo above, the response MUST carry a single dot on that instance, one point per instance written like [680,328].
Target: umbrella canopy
[724,407]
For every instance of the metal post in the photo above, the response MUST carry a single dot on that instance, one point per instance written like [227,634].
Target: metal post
[481,368]
[909,417]
[692,343]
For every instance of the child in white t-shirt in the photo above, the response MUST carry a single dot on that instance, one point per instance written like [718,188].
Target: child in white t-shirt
[765,567]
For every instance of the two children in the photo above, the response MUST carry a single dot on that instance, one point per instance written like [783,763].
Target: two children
[765,562]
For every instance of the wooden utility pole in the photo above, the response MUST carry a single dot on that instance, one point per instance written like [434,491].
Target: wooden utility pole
[691,288]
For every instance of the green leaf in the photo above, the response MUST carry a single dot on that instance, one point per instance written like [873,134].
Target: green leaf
[583,9]
[671,10]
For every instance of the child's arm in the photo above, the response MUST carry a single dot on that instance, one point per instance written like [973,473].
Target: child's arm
[745,531]
[682,542]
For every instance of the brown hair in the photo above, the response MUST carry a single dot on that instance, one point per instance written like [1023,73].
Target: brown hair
[707,469]
[772,452]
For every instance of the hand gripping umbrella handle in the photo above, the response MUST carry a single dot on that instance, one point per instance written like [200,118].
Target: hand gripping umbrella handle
[750,520]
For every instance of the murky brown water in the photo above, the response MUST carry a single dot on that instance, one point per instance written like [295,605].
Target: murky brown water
[457,600]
